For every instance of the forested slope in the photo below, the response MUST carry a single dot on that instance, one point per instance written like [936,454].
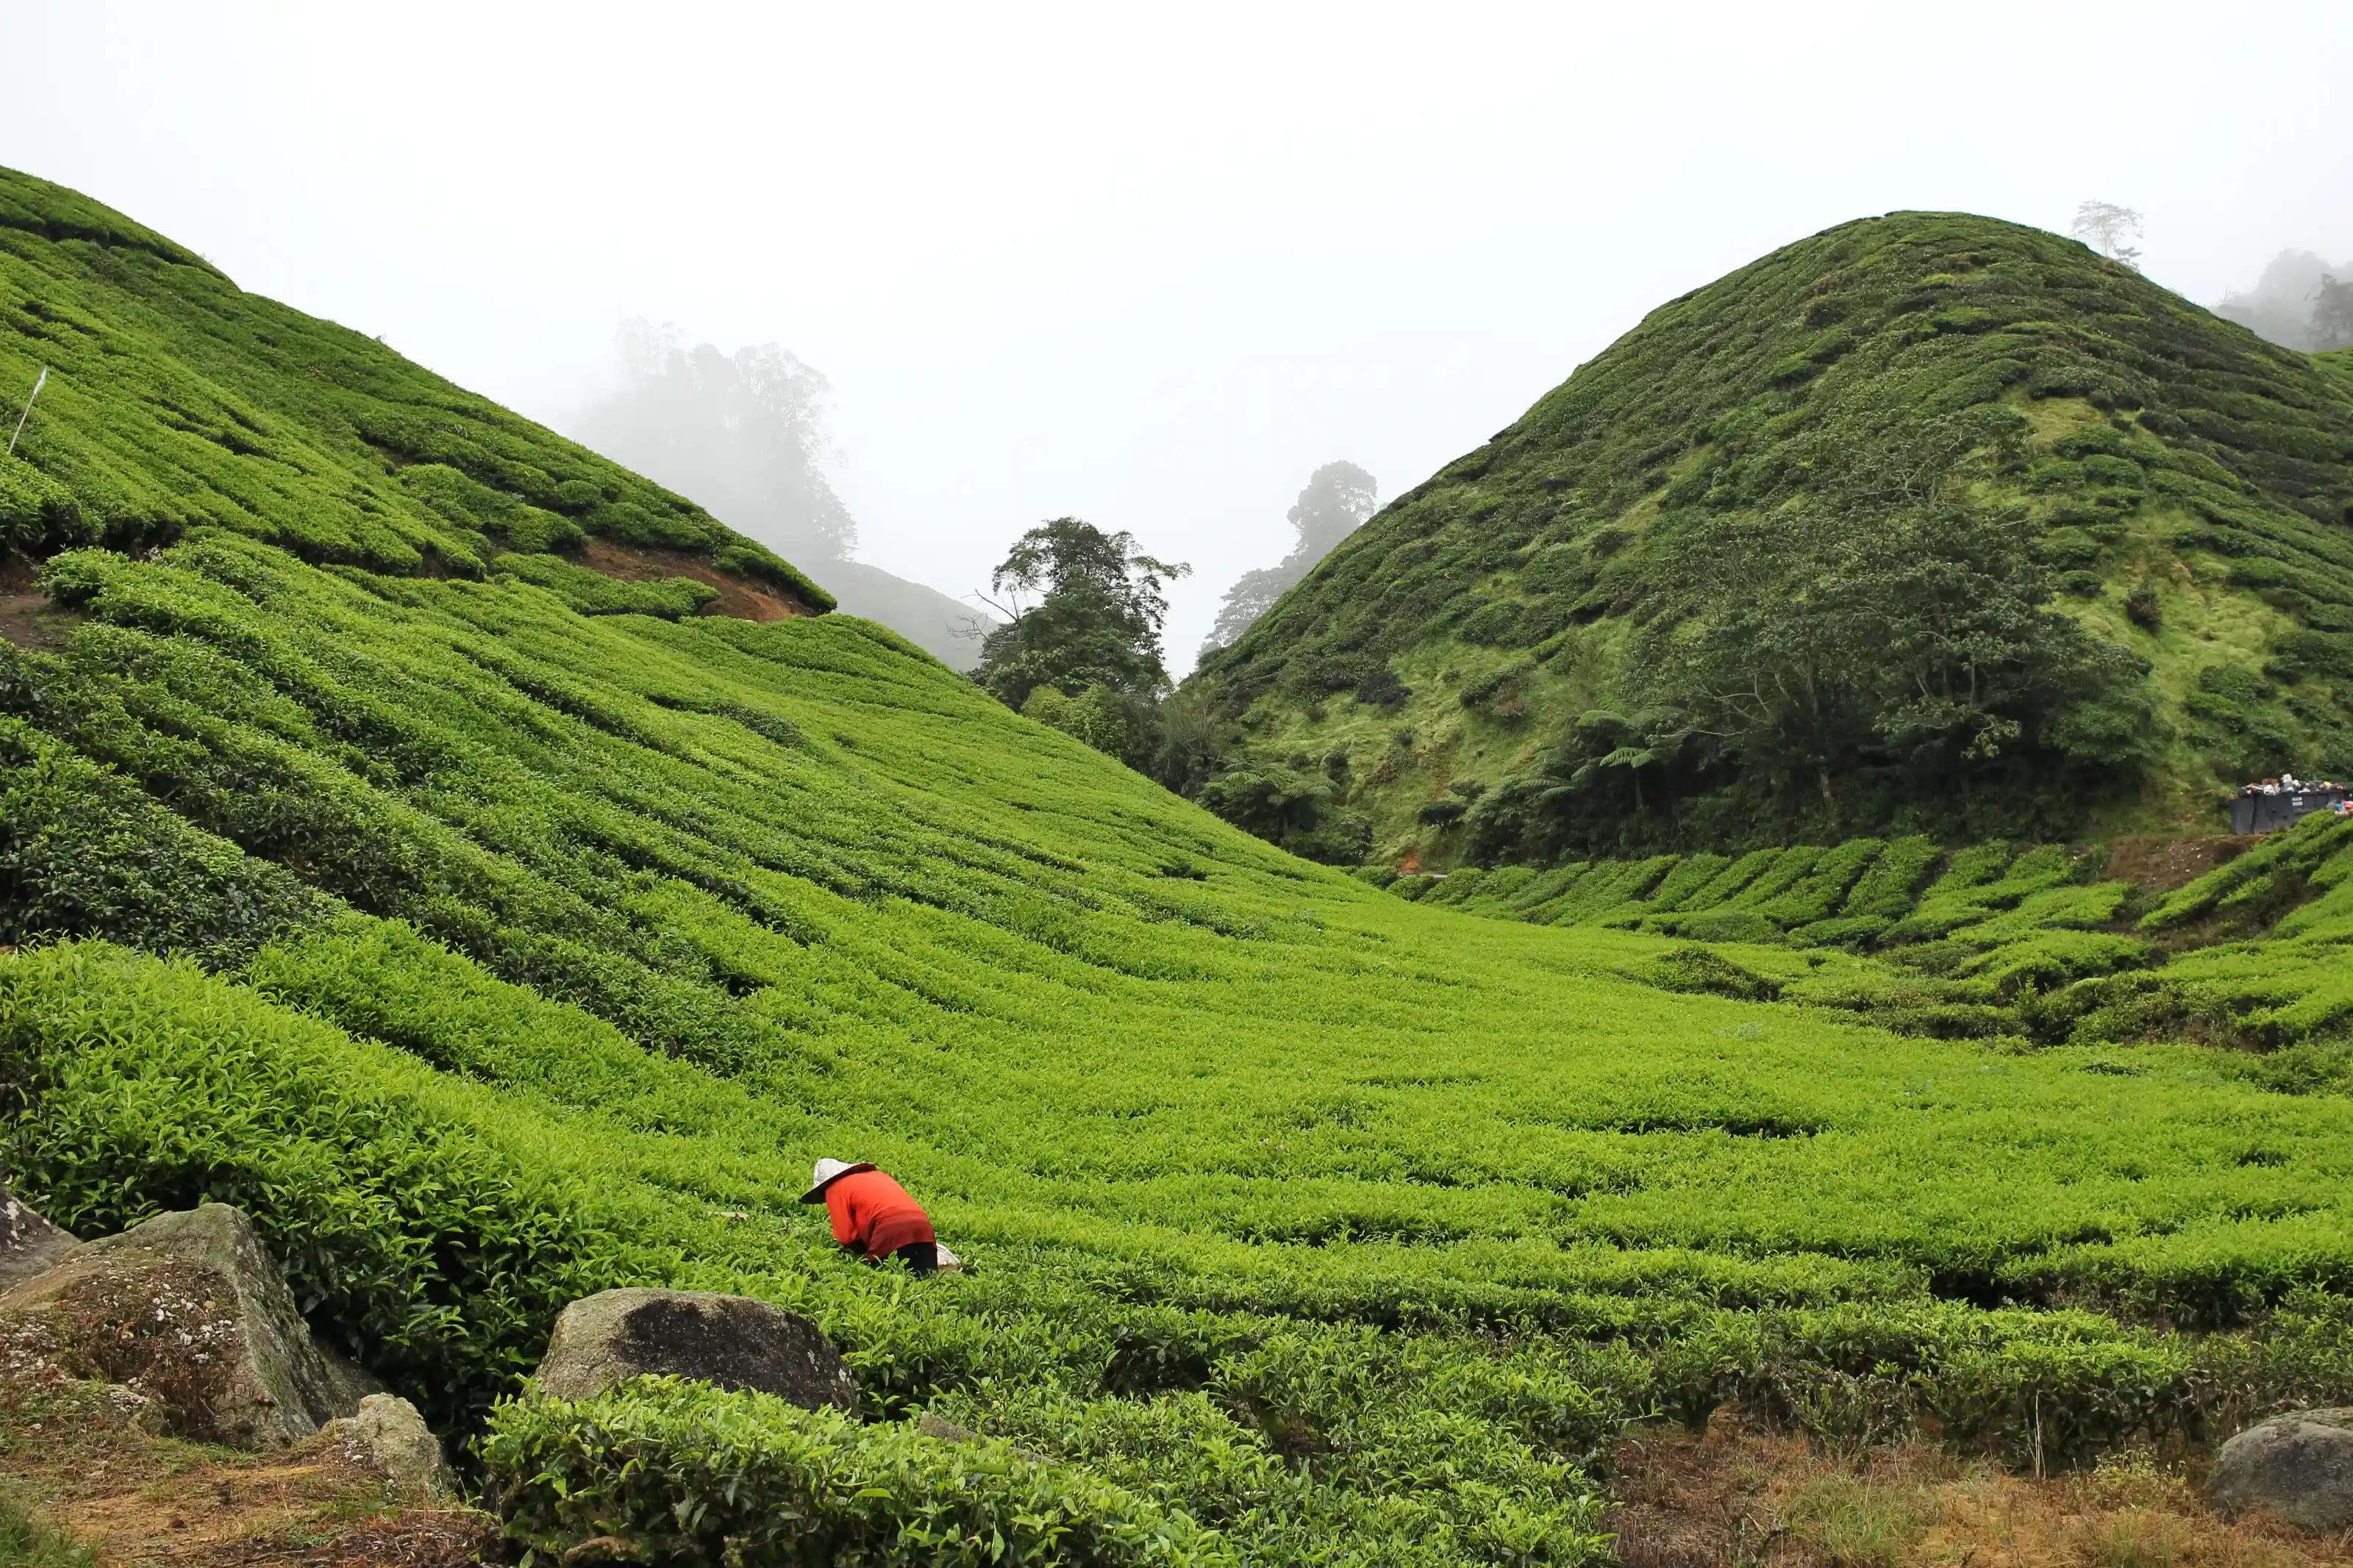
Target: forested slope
[1929,522]
[491,951]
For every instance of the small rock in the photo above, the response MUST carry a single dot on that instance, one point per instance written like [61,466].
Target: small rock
[729,1342]
[2298,1467]
[944,1430]
[29,1245]
[387,1436]
[941,1429]
[189,1308]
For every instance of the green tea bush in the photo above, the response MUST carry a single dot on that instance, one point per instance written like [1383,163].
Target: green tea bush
[594,594]
[82,851]
[668,1470]
[513,523]
[1698,968]
[424,1249]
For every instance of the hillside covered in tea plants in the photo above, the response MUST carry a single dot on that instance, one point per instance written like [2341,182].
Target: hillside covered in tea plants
[2043,944]
[494,937]
[1927,524]
[176,401]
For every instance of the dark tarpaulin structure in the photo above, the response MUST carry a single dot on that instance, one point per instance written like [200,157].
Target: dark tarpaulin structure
[2254,811]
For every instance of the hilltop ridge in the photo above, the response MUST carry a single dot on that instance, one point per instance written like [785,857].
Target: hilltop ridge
[1511,660]
[176,401]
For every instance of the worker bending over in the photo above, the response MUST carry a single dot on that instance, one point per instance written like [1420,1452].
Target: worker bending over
[872,1215]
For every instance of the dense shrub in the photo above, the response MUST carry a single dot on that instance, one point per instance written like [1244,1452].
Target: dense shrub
[415,1244]
[669,1470]
[83,852]
[594,594]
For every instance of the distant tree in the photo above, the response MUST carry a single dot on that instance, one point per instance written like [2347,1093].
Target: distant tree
[1900,619]
[1080,643]
[2332,314]
[743,435]
[2104,226]
[1339,497]
[2280,306]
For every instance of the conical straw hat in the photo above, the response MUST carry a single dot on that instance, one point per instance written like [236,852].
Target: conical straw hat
[825,1172]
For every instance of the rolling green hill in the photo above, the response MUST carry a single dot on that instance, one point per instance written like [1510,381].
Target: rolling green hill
[176,401]
[1929,522]
[494,938]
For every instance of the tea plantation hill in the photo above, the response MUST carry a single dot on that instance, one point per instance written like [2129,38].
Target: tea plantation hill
[1480,666]
[491,948]
[176,401]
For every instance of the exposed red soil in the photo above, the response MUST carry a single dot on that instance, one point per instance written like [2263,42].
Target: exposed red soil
[2162,865]
[632,564]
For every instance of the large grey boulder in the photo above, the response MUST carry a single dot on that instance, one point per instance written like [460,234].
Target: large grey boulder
[188,1308]
[730,1342]
[29,1245]
[2298,1467]
[387,1436]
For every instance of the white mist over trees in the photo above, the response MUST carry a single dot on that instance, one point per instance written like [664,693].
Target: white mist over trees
[1339,497]
[743,435]
[2299,302]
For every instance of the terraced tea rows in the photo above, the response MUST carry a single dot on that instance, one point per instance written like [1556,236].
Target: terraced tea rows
[597,930]
[1982,943]
[491,951]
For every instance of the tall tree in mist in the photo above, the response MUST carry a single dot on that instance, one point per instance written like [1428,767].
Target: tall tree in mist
[2105,226]
[2297,303]
[741,434]
[1338,498]
[2332,313]
[1080,646]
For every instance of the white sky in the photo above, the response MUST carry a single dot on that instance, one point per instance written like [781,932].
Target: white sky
[1148,265]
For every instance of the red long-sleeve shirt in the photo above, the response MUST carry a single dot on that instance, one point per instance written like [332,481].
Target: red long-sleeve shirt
[873,1212]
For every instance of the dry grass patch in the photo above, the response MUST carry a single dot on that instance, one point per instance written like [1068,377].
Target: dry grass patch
[1742,1496]
[85,1479]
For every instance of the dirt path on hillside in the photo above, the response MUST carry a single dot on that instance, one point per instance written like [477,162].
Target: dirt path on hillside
[27,617]
[632,564]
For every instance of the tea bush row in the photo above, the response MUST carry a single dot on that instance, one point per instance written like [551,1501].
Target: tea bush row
[672,1471]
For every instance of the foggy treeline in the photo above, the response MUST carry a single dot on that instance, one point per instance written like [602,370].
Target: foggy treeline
[2300,302]
[743,435]
[1338,498]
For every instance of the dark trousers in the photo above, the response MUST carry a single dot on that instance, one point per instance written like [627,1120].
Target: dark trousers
[922,1257]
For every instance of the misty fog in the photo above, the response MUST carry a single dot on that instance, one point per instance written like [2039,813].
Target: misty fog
[2295,303]
[743,434]
[1339,497]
